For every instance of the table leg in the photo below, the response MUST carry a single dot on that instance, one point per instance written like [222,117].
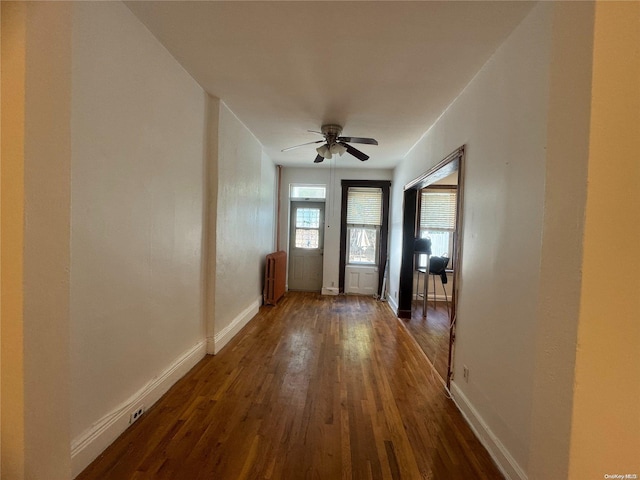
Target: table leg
[426,288]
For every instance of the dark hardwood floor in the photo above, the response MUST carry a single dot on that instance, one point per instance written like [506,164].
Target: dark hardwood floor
[431,333]
[314,388]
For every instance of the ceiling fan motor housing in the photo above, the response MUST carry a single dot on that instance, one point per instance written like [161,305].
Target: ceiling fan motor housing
[331,133]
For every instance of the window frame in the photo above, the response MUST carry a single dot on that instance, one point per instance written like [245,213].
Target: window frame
[385,185]
[293,198]
[364,214]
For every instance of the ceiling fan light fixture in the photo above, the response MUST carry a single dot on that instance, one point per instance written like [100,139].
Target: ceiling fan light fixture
[338,148]
[324,151]
[334,144]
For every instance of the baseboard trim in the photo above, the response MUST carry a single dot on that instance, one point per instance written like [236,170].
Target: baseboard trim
[393,305]
[220,339]
[86,447]
[330,291]
[501,456]
[439,298]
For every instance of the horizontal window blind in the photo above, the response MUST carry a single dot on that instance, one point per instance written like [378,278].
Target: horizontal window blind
[364,206]
[438,209]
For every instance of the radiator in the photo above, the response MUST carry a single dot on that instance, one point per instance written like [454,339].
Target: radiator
[274,277]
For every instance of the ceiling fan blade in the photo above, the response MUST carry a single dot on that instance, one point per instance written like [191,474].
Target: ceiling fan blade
[355,152]
[368,141]
[301,145]
[319,159]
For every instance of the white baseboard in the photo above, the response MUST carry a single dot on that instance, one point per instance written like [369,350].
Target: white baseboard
[506,463]
[439,298]
[221,338]
[330,291]
[393,305]
[87,446]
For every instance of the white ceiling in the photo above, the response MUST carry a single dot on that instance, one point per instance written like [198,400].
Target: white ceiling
[381,69]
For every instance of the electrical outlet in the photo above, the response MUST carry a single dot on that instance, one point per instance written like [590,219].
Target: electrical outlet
[465,373]
[136,414]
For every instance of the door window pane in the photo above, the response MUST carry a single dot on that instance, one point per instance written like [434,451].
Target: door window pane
[308,218]
[307,238]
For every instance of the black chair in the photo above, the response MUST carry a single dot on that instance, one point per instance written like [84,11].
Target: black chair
[437,266]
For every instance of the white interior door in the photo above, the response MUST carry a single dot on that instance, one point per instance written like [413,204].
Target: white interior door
[306,246]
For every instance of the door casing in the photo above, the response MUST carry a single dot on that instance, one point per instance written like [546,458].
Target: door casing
[305,265]
[449,165]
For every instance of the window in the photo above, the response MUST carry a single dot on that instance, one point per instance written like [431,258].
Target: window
[364,218]
[307,228]
[307,219]
[438,220]
[307,192]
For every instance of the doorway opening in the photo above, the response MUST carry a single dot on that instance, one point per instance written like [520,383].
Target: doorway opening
[306,237]
[433,208]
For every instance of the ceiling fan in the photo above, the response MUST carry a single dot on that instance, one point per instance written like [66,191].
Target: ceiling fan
[335,144]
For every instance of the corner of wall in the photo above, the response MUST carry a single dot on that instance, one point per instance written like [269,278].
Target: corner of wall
[606,393]
[221,338]
[36,177]
[558,300]
[393,305]
[210,218]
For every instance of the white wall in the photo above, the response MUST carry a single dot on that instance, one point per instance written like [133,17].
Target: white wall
[332,179]
[119,225]
[138,151]
[567,154]
[501,117]
[244,226]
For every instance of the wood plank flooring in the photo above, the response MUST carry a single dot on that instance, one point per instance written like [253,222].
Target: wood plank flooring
[314,388]
[431,333]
